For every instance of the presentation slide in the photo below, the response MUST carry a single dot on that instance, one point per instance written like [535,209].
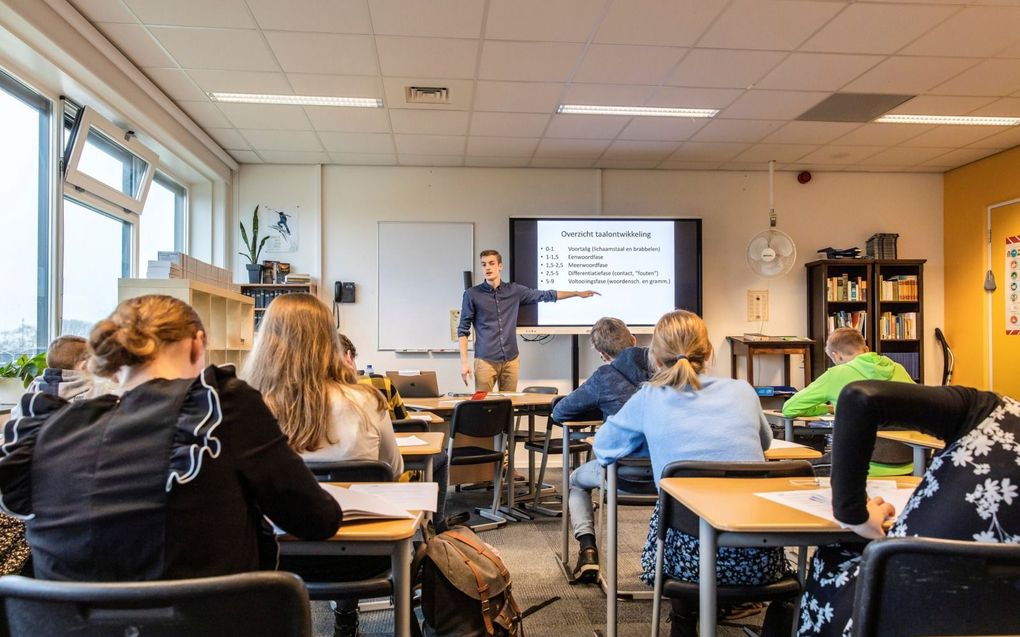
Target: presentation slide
[641,267]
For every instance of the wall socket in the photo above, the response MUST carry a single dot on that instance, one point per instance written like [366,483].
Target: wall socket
[757,305]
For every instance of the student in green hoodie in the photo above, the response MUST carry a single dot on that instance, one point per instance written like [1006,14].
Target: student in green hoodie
[847,349]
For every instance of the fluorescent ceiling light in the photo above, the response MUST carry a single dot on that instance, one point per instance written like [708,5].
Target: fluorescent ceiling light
[297,100]
[644,111]
[964,120]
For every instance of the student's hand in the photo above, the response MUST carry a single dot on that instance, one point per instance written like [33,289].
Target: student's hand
[586,293]
[465,372]
[879,511]
[830,408]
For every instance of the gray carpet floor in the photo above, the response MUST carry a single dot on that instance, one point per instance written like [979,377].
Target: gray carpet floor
[529,548]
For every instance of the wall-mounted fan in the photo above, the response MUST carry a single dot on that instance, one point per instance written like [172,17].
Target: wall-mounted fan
[771,252]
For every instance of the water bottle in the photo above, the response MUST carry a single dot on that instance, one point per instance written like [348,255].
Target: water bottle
[368,370]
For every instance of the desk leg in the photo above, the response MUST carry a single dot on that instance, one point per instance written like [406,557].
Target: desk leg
[788,429]
[706,577]
[401,563]
[564,503]
[428,478]
[611,546]
[807,367]
[920,460]
[531,454]
[750,366]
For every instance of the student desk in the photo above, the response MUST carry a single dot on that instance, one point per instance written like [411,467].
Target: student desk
[731,515]
[383,537]
[609,579]
[426,416]
[749,348]
[810,425]
[917,441]
[432,448]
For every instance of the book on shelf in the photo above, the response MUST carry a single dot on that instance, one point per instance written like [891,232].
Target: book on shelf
[843,288]
[857,320]
[896,327]
[911,361]
[303,279]
[902,287]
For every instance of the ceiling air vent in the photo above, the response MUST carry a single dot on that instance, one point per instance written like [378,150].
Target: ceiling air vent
[427,95]
[852,107]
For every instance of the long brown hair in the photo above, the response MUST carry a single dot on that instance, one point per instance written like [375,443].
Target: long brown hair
[294,362]
[136,330]
[681,347]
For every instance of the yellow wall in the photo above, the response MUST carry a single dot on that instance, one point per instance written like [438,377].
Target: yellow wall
[969,191]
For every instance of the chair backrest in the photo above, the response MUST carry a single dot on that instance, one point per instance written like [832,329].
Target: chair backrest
[948,360]
[482,418]
[674,515]
[351,471]
[920,586]
[410,425]
[540,389]
[594,414]
[261,603]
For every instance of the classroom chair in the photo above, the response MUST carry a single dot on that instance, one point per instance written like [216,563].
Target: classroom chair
[483,419]
[261,603]
[410,426]
[548,445]
[351,471]
[673,515]
[914,586]
[527,435]
[616,492]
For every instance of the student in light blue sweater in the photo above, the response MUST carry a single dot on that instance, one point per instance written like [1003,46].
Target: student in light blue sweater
[683,414]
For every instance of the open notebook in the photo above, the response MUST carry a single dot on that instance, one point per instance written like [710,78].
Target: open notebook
[384,501]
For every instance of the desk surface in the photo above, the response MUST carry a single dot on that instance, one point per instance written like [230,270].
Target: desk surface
[797,452]
[729,504]
[425,416]
[370,530]
[913,438]
[771,343]
[445,404]
[817,421]
[433,438]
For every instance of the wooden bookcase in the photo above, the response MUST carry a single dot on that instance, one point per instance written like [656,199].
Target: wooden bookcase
[226,315]
[904,345]
[264,293]
[823,306]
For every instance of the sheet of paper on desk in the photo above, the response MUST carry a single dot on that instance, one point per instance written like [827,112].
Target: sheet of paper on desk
[414,496]
[358,505]
[410,441]
[818,502]
[419,416]
[785,444]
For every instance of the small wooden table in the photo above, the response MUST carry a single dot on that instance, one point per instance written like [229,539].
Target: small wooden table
[917,441]
[731,515]
[741,346]
[383,537]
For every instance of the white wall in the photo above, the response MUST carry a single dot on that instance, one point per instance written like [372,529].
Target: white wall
[837,209]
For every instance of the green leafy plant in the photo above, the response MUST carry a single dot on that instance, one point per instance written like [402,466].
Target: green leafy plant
[25,367]
[252,247]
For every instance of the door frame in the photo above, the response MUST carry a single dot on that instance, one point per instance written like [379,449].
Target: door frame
[989,252]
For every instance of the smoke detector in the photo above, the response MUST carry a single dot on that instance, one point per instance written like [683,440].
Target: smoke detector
[427,94]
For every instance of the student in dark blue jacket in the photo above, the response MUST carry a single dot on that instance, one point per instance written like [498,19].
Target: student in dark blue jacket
[606,390]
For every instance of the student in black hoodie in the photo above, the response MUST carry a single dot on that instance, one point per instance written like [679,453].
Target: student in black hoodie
[606,390]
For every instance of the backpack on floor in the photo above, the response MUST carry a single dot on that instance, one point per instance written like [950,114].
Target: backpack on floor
[465,588]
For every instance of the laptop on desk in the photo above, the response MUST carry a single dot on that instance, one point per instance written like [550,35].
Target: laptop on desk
[415,384]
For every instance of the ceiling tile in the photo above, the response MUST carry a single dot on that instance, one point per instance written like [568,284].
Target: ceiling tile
[1005,107]
[332,16]
[888,27]
[508,124]
[360,159]
[639,150]
[227,49]
[430,160]
[349,120]
[954,136]
[255,116]
[421,122]
[292,157]
[817,71]
[336,85]
[736,130]
[176,84]
[523,97]
[193,13]
[627,164]
[881,134]
[586,126]
[833,155]
[246,156]
[432,18]
[328,53]
[497,162]
[717,98]
[658,22]
[810,132]
[501,146]
[901,156]
[723,69]
[627,64]
[941,105]
[771,105]
[614,94]
[262,140]
[241,81]
[427,57]
[675,129]
[780,152]
[461,92]
[228,138]
[353,143]
[104,11]
[908,75]
[1002,141]
[972,32]
[542,20]
[697,152]
[768,24]
[961,157]
[528,61]
[205,114]
[991,77]
[430,144]
[137,44]
[562,162]
[572,148]
[670,164]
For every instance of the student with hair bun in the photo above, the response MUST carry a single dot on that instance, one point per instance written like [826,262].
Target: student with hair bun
[171,479]
[684,414]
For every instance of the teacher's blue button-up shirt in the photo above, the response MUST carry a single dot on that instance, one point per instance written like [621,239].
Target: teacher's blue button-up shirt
[493,311]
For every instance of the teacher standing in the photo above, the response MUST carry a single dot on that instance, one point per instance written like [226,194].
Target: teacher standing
[492,308]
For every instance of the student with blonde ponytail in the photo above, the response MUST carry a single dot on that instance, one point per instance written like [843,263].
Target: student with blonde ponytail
[684,414]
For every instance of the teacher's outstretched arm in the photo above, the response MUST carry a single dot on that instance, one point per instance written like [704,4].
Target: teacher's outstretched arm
[566,294]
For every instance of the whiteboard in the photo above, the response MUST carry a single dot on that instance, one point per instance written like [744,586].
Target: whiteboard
[421,280]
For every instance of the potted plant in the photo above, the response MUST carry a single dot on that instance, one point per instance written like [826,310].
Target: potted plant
[16,375]
[253,248]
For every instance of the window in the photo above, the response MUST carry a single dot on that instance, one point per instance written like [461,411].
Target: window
[161,225]
[24,191]
[97,252]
